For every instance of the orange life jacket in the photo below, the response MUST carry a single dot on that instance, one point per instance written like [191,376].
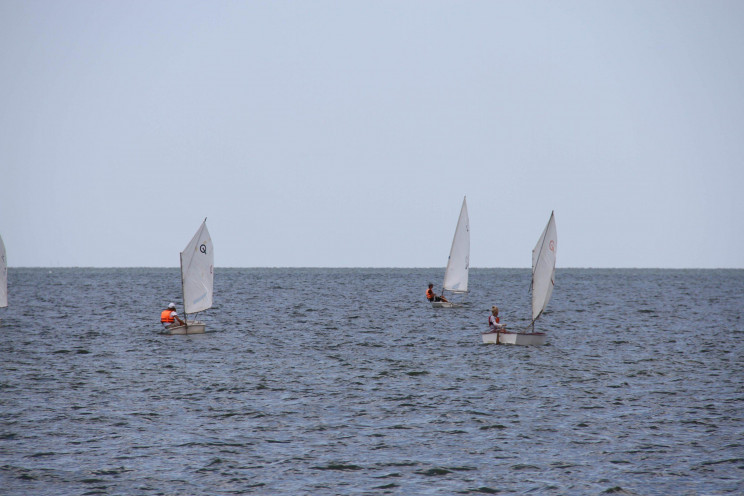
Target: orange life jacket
[429,294]
[165,316]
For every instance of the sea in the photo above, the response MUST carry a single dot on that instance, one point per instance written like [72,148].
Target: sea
[322,381]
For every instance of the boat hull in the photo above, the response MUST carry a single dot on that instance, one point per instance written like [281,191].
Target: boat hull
[445,304]
[516,338]
[194,327]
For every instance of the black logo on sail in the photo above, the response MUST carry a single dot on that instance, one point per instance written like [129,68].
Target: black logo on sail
[203,248]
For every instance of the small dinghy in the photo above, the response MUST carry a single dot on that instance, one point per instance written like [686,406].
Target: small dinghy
[458,263]
[197,277]
[518,338]
[543,280]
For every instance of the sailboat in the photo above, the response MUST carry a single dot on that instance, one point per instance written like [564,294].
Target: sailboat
[458,263]
[197,276]
[543,279]
[3,276]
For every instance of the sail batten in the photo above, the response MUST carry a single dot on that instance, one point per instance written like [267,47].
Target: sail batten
[458,263]
[197,271]
[543,268]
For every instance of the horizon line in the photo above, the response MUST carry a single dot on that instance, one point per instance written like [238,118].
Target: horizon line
[358,267]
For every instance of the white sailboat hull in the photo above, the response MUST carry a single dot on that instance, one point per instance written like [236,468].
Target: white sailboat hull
[516,338]
[193,327]
[445,304]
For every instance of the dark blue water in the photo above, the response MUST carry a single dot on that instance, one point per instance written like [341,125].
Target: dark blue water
[345,381]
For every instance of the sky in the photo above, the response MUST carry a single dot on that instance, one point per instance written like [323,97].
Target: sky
[346,133]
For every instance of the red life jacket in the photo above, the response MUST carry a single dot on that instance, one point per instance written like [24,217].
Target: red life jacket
[165,316]
[429,294]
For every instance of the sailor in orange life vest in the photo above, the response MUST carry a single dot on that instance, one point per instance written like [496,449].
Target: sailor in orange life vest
[169,317]
[431,296]
[493,320]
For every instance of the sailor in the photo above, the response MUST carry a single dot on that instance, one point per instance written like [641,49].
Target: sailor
[494,321]
[431,296]
[168,317]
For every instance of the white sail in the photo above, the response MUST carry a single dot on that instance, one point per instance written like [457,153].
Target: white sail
[458,263]
[197,271]
[3,276]
[543,268]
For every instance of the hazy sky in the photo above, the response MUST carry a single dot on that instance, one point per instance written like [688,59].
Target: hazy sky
[346,133]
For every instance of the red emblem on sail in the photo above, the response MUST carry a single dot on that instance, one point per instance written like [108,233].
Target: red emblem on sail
[552,245]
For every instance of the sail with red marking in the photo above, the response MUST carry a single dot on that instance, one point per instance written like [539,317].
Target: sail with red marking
[543,268]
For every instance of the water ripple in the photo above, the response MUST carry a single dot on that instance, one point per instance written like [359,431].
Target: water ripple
[343,381]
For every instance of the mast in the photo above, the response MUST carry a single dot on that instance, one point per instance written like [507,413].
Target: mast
[183,294]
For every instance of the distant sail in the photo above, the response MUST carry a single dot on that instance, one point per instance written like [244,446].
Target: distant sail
[543,268]
[197,271]
[458,263]
[3,276]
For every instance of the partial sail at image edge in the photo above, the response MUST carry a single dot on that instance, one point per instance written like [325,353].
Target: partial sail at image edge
[3,276]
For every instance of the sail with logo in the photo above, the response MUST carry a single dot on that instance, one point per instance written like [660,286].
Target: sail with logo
[458,263]
[197,277]
[543,269]
[543,280]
